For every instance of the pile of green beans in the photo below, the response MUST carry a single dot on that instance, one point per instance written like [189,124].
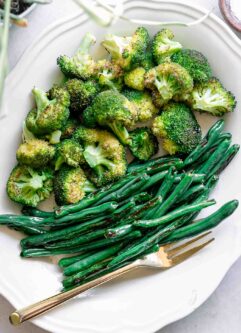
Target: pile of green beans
[154,204]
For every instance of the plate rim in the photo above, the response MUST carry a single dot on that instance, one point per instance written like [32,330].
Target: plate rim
[50,32]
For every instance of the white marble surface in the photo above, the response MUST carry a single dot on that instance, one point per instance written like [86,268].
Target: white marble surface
[221,312]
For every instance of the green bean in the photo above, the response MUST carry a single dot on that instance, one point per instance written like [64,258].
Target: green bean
[166,184]
[97,270]
[153,180]
[95,275]
[30,211]
[124,209]
[191,192]
[135,188]
[64,262]
[91,199]
[82,239]
[92,259]
[178,191]
[128,189]
[119,231]
[91,211]
[207,167]
[206,143]
[142,246]
[141,210]
[28,230]
[78,277]
[183,210]
[164,167]
[204,224]
[140,167]
[225,160]
[19,220]
[40,252]
[208,153]
[196,178]
[138,198]
[209,186]
[66,233]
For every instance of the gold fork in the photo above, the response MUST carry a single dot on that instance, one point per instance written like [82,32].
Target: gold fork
[167,256]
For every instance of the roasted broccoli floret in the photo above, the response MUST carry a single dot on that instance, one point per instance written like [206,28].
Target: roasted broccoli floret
[109,75]
[81,65]
[143,102]
[148,61]
[68,129]
[128,52]
[135,78]
[157,99]
[195,63]
[28,186]
[103,153]
[51,113]
[178,128]
[143,143]
[169,79]
[112,110]
[53,137]
[35,153]
[70,152]
[163,45]
[212,97]
[81,94]
[71,185]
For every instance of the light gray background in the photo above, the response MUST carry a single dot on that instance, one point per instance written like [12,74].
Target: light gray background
[221,312]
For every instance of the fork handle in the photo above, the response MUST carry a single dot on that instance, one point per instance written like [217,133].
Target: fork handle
[36,309]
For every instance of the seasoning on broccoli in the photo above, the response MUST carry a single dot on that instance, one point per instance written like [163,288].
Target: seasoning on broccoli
[81,65]
[178,128]
[28,186]
[70,152]
[135,78]
[35,153]
[81,94]
[51,113]
[112,110]
[71,185]
[109,75]
[143,143]
[157,99]
[143,102]
[195,63]
[212,97]
[103,153]
[68,129]
[163,45]
[169,79]
[128,52]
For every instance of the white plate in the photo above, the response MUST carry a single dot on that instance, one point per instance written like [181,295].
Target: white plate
[145,301]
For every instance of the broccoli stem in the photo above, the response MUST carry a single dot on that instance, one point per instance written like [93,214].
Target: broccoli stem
[89,187]
[164,89]
[41,100]
[94,156]
[84,47]
[121,132]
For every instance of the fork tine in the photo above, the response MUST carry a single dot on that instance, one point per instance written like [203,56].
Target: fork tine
[177,249]
[185,255]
